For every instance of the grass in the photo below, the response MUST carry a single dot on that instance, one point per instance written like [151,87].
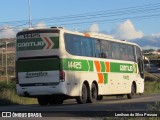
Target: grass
[152,84]
[152,87]
[8,95]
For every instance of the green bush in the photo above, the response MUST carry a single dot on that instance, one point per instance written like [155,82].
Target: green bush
[8,95]
[151,87]
[3,85]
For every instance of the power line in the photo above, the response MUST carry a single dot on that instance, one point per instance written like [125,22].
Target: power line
[93,13]
[104,15]
[102,12]
[96,16]
[111,20]
[15,27]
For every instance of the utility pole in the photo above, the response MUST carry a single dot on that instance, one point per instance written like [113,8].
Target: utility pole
[29,13]
[6,62]
[2,55]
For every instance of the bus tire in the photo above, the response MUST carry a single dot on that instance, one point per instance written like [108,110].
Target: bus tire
[93,94]
[133,92]
[43,100]
[83,98]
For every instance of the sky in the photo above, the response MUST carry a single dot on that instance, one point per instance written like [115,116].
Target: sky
[134,20]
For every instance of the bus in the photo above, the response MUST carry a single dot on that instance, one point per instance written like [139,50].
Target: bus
[55,64]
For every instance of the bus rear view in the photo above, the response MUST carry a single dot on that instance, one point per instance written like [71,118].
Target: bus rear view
[38,63]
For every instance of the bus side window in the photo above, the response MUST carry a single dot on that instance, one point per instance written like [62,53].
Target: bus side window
[115,50]
[98,48]
[106,52]
[131,55]
[69,44]
[87,47]
[123,52]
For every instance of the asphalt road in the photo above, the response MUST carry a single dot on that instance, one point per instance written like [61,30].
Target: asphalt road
[71,108]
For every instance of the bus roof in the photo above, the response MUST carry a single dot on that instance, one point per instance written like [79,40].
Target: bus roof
[87,34]
[100,36]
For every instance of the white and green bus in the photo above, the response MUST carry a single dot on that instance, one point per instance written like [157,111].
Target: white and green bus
[55,64]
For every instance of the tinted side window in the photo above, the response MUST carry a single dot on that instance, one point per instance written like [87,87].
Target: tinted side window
[127,52]
[78,45]
[106,49]
[90,47]
[68,43]
[86,47]
[124,52]
[98,49]
[115,48]
[131,55]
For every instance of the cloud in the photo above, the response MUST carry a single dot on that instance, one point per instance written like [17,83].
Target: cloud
[149,41]
[7,32]
[94,28]
[40,25]
[127,31]
[10,32]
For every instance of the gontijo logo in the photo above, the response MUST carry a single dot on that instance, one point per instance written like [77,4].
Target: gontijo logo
[126,68]
[30,44]
[37,42]
[47,43]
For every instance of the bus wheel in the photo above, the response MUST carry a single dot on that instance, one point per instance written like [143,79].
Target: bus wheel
[83,98]
[133,92]
[43,100]
[93,94]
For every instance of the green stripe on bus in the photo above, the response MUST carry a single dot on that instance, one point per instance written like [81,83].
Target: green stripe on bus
[91,68]
[38,65]
[87,65]
[55,40]
[75,64]
[105,75]
[103,67]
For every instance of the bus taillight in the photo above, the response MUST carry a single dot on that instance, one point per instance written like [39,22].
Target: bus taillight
[62,75]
